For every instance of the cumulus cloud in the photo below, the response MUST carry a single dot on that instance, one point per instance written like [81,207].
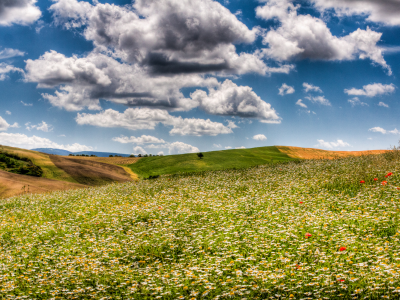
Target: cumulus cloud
[372,90]
[300,103]
[356,102]
[4,125]
[145,118]
[242,147]
[6,68]
[8,52]
[31,142]
[228,99]
[307,37]
[217,146]
[383,104]
[379,11]
[8,112]
[139,150]
[22,12]
[330,145]
[41,126]
[320,100]
[311,88]
[167,36]
[260,137]
[144,139]
[181,148]
[228,147]
[384,131]
[285,90]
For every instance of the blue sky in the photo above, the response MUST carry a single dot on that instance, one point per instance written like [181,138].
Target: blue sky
[178,76]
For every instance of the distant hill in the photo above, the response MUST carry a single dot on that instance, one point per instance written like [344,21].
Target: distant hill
[65,152]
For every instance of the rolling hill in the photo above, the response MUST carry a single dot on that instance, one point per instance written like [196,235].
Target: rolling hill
[66,153]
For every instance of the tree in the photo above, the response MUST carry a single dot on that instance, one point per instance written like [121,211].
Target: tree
[132,155]
[139,155]
[200,155]
[111,155]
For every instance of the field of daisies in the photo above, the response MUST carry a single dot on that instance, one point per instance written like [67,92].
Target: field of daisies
[318,229]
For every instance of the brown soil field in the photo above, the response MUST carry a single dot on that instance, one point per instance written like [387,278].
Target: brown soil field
[13,185]
[118,161]
[311,153]
[90,172]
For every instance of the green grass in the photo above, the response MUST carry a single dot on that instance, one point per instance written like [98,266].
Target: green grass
[212,161]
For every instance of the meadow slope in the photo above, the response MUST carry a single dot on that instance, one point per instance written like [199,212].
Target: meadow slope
[316,229]
[212,161]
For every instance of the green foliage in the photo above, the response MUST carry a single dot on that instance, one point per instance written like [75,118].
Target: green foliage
[200,155]
[19,165]
[216,160]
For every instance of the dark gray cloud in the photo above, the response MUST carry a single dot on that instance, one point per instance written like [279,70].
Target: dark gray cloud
[18,12]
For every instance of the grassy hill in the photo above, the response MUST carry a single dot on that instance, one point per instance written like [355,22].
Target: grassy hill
[212,161]
[288,231]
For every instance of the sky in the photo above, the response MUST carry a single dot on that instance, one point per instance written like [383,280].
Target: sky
[182,76]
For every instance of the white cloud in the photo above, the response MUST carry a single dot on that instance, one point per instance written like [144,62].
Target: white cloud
[26,104]
[217,146]
[24,141]
[355,101]
[300,103]
[384,131]
[307,37]
[169,36]
[161,153]
[228,99]
[22,12]
[8,112]
[181,148]
[372,90]
[330,145]
[309,87]
[383,104]
[4,125]
[242,147]
[139,150]
[285,90]
[41,126]
[320,100]
[379,11]
[145,118]
[144,139]
[260,137]
[6,68]
[8,52]
[228,147]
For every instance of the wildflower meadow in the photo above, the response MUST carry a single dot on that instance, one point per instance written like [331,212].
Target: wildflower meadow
[316,229]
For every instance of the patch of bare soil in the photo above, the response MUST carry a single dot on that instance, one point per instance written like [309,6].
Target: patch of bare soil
[311,153]
[16,184]
[90,172]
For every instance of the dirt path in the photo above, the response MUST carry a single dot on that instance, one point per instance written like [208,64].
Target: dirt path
[311,153]
[13,184]
[90,172]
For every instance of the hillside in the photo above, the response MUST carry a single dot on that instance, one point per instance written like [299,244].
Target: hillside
[61,173]
[308,230]
[215,160]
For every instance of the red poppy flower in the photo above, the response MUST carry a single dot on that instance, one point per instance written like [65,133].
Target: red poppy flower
[375,179]
[308,235]
[398,188]
[384,182]
[301,202]
[342,249]
[362,181]
[389,174]
[341,280]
